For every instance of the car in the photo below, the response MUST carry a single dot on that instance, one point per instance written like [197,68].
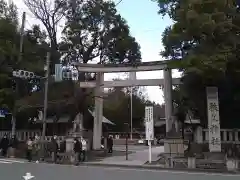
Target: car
[140,141]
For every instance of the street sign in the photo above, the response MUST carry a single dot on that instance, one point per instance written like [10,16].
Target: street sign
[58,72]
[149,124]
[149,129]
[3,113]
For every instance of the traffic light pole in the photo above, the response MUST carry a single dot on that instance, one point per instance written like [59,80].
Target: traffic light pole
[45,102]
[19,59]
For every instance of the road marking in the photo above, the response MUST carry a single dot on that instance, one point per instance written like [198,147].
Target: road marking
[149,170]
[4,162]
[167,171]
[11,161]
[28,176]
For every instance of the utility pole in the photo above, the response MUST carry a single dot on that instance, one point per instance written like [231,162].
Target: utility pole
[45,96]
[131,113]
[46,68]
[22,36]
[19,60]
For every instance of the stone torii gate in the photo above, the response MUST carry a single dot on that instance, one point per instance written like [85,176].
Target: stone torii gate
[100,84]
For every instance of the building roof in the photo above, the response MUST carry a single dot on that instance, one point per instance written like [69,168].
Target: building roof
[104,120]
[65,119]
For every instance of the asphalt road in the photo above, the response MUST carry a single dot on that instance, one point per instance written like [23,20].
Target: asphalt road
[16,171]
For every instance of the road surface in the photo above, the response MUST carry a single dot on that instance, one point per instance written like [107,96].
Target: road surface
[16,171]
[132,148]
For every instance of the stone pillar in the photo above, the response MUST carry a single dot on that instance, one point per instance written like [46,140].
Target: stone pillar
[224,136]
[167,75]
[191,162]
[177,124]
[230,136]
[213,120]
[236,136]
[98,112]
[232,164]
[69,144]
[198,135]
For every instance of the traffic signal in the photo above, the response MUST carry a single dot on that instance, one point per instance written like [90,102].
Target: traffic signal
[23,74]
[66,74]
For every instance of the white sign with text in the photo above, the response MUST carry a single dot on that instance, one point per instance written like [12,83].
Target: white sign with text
[149,124]
[213,120]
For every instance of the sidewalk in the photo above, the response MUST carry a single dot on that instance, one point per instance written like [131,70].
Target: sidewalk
[137,158]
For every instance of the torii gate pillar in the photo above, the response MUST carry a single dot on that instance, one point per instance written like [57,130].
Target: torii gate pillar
[167,75]
[98,116]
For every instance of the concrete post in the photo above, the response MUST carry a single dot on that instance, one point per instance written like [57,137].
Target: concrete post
[198,135]
[191,162]
[224,136]
[97,127]
[236,136]
[230,135]
[167,74]
[232,164]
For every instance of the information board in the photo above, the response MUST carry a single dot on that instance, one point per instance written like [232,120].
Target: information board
[149,124]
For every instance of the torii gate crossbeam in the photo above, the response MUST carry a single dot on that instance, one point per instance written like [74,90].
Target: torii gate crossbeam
[129,83]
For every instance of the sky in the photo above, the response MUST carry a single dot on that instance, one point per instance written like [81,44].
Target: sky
[145,25]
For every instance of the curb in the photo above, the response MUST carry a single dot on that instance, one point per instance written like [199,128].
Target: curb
[152,167]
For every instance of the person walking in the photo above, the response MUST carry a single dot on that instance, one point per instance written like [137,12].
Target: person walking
[54,148]
[4,144]
[77,150]
[37,147]
[29,149]
[83,149]
[102,142]
[110,144]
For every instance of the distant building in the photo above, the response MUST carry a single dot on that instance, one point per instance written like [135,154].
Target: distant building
[63,126]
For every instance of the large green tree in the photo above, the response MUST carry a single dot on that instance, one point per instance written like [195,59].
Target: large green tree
[33,51]
[204,38]
[33,57]
[94,30]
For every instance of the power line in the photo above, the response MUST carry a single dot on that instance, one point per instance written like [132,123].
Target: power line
[118,2]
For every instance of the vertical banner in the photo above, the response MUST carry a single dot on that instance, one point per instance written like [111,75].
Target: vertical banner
[149,124]
[213,119]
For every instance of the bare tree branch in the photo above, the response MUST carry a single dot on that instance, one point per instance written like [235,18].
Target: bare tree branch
[50,15]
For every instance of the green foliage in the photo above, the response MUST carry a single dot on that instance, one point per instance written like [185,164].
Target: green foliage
[95,30]
[204,34]
[204,41]
[33,56]
[117,109]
